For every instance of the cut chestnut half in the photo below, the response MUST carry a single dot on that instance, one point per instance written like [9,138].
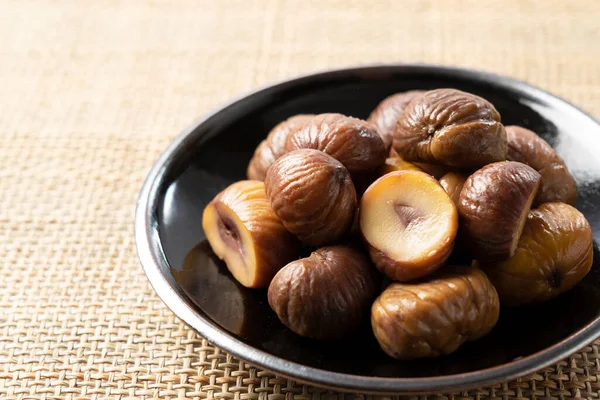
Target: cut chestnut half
[409,224]
[244,231]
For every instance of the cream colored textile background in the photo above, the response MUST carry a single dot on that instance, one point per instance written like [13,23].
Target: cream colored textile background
[92,91]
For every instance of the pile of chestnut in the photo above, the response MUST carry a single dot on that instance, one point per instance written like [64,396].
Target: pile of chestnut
[429,173]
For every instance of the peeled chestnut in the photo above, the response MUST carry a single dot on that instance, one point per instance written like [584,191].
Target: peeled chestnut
[353,142]
[273,146]
[397,164]
[408,223]
[312,194]
[434,317]
[243,230]
[385,116]
[557,183]
[453,182]
[554,253]
[324,296]
[450,127]
[493,207]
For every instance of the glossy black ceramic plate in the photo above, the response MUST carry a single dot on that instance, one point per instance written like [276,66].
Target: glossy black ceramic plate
[215,151]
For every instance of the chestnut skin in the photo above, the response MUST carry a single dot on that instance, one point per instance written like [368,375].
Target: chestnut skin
[453,182]
[353,142]
[273,146]
[554,253]
[437,171]
[434,317]
[452,128]
[385,116]
[313,195]
[243,230]
[325,295]
[557,185]
[493,207]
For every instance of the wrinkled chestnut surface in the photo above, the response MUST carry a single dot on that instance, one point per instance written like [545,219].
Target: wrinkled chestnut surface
[493,207]
[353,142]
[273,146]
[450,127]
[243,230]
[554,253]
[385,116]
[325,295]
[557,183]
[453,182]
[434,317]
[313,195]
[408,223]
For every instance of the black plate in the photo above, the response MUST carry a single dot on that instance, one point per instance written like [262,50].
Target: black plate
[215,151]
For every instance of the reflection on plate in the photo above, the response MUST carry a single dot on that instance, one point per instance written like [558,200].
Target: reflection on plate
[215,152]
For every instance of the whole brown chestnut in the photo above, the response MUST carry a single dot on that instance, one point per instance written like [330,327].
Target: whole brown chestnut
[273,146]
[450,127]
[557,183]
[353,142]
[313,195]
[385,116]
[324,296]
[493,207]
[554,253]
[434,317]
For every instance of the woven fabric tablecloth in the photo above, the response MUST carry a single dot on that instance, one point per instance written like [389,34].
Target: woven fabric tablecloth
[92,91]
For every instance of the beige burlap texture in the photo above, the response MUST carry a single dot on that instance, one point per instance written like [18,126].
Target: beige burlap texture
[92,92]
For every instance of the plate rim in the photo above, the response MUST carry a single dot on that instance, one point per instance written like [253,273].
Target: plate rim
[153,260]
